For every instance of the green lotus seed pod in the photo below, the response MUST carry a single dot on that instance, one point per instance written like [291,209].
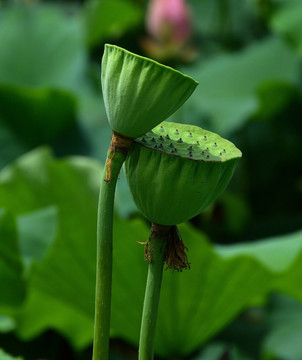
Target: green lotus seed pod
[176,170]
[140,93]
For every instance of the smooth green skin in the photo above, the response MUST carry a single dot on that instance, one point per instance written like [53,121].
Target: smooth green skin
[151,300]
[104,261]
[138,92]
[170,188]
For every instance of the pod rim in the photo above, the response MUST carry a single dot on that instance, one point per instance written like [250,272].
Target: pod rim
[151,61]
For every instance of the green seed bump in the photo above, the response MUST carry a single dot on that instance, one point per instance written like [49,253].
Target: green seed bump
[155,146]
[176,132]
[205,142]
[190,135]
[161,129]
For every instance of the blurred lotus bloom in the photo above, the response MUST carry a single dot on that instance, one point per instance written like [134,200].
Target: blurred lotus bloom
[170,25]
[169,20]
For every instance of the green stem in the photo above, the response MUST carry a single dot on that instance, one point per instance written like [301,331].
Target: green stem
[151,301]
[104,260]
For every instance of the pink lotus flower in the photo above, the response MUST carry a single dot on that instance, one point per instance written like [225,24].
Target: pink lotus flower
[169,21]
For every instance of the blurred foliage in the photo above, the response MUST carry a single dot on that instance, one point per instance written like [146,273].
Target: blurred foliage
[242,298]
[4,356]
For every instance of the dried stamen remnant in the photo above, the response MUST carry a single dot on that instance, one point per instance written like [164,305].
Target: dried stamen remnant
[119,143]
[175,252]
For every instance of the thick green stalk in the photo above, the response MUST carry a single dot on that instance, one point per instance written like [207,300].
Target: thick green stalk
[151,301]
[104,260]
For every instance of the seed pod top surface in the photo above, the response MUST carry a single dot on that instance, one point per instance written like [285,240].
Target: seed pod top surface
[176,170]
[138,92]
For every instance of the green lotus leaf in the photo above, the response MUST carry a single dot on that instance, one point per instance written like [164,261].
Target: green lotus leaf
[140,93]
[177,170]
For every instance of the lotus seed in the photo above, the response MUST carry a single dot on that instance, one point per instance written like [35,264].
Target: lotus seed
[143,140]
[190,135]
[153,140]
[176,132]
[161,129]
[180,140]
[171,145]
[197,143]
[161,138]
[190,148]
[204,138]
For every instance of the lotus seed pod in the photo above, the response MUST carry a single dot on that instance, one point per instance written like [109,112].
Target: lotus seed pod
[140,93]
[176,170]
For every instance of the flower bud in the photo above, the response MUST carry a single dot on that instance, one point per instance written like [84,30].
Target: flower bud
[138,92]
[169,20]
[177,170]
